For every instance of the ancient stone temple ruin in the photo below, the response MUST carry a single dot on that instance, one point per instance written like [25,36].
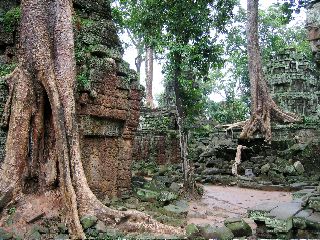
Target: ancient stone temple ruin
[157,137]
[294,84]
[292,157]
[108,103]
[108,98]
[8,39]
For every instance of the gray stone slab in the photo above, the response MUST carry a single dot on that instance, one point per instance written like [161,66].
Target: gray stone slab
[303,213]
[280,218]
[302,193]
[259,212]
[298,185]
[313,221]
[285,210]
[299,220]
[268,206]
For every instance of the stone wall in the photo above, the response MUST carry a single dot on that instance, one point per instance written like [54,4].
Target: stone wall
[295,84]
[267,164]
[108,103]
[8,40]
[157,137]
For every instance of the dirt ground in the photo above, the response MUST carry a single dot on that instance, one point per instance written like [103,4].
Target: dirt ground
[20,217]
[219,203]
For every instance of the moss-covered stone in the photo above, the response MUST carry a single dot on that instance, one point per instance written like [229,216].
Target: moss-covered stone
[88,221]
[177,209]
[192,230]
[147,195]
[210,232]
[4,235]
[238,227]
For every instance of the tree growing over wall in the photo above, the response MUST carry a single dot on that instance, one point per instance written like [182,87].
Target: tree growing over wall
[263,108]
[41,110]
[275,35]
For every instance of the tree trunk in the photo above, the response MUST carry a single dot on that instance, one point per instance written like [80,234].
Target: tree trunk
[263,108]
[149,76]
[139,58]
[42,93]
[188,182]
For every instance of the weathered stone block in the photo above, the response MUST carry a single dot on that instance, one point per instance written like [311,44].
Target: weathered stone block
[100,127]
[260,212]
[299,167]
[280,218]
[314,203]
[238,227]
[299,220]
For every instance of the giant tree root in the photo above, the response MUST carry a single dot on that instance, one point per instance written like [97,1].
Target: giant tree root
[33,209]
[44,92]
[261,120]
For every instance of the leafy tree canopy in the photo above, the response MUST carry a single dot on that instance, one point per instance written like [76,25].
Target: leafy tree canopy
[275,34]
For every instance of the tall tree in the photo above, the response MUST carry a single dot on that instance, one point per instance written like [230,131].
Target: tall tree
[149,75]
[276,34]
[41,111]
[128,15]
[263,108]
[189,36]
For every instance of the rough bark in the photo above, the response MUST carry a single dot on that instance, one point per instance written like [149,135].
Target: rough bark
[139,47]
[149,76]
[188,183]
[263,108]
[139,59]
[43,94]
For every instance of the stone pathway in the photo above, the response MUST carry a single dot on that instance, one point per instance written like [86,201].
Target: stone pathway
[219,203]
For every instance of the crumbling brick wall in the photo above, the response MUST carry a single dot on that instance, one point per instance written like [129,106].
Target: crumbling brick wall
[157,137]
[294,83]
[109,98]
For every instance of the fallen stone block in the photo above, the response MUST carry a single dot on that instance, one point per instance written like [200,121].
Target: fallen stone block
[299,220]
[238,227]
[301,193]
[313,221]
[314,203]
[259,212]
[211,232]
[280,218]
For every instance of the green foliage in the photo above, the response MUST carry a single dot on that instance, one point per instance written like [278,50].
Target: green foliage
[190,46]
[11,210]
[83,80]
[289,7]
[184,29]
[127,15]
[275,35]
[228,111]
[5,69]
[11,19]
